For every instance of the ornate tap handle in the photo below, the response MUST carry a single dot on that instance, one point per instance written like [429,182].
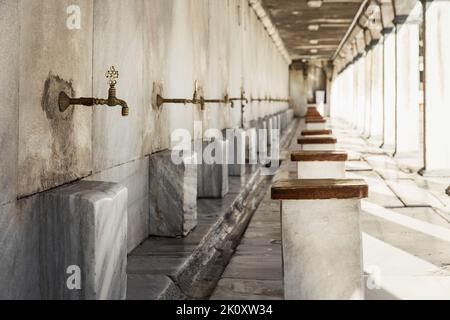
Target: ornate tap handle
[112,75]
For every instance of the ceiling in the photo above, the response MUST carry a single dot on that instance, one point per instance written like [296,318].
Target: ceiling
[292,18]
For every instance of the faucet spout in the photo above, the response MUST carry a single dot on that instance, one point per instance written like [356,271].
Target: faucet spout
[125,108]
[113,101]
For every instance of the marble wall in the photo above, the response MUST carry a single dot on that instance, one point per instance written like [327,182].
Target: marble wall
[157,46]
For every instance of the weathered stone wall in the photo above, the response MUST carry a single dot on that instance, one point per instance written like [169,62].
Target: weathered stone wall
[157,45]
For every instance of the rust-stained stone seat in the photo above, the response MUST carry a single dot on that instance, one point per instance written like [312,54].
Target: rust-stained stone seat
[321,238]
[319,156]
[317,143]
[312,111]
[320,164]
[317,132]
[319,189]
[317,140]
[315,120]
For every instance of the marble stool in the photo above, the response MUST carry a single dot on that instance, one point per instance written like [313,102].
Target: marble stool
[84,229]
[325,132]
[321,238]
[315,123]
[317,143]
[320,164]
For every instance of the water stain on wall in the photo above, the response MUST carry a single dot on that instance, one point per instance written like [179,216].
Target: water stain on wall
[154,140]
[61,163]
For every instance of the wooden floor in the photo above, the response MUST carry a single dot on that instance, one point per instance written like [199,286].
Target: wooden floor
[405,223]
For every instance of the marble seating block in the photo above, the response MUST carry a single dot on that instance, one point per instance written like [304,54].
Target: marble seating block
[84,237]
[237,151]
[284,120]
[251,143]
[275,132]
[212,181]
[312,112]
[320,164]
[270,128]
[326,132]
[290,113]
[278,117]
[263,137]
[315,124]
[321,238]
[173,195]
[317,143]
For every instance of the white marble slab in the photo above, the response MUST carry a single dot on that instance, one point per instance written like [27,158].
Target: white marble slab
[173,195]
[84,225]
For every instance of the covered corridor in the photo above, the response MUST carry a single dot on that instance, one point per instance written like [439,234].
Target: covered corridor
[224,149]
[405,226]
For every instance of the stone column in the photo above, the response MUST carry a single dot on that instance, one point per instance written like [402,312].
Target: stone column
[389,89]
[361,80]
[407,85]
[376,119]
[328,75]
[437,89]
[356,99]
[345,95]
[367,93]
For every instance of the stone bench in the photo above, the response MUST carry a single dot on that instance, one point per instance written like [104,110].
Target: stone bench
[315,123]
[317,143]
[325,132]
[320,164]
[321,238]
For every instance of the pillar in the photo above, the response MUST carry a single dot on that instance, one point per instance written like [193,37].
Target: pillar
[376,119]
[437,92]
[361,80]
[367,93]
[347,95]
[389,89]
[407,85]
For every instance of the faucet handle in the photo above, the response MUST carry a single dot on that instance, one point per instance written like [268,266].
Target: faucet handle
[112,75]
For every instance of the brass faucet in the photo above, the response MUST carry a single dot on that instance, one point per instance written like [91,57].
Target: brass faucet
[270,99]
[242,98]
[196,99]
[112,75]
